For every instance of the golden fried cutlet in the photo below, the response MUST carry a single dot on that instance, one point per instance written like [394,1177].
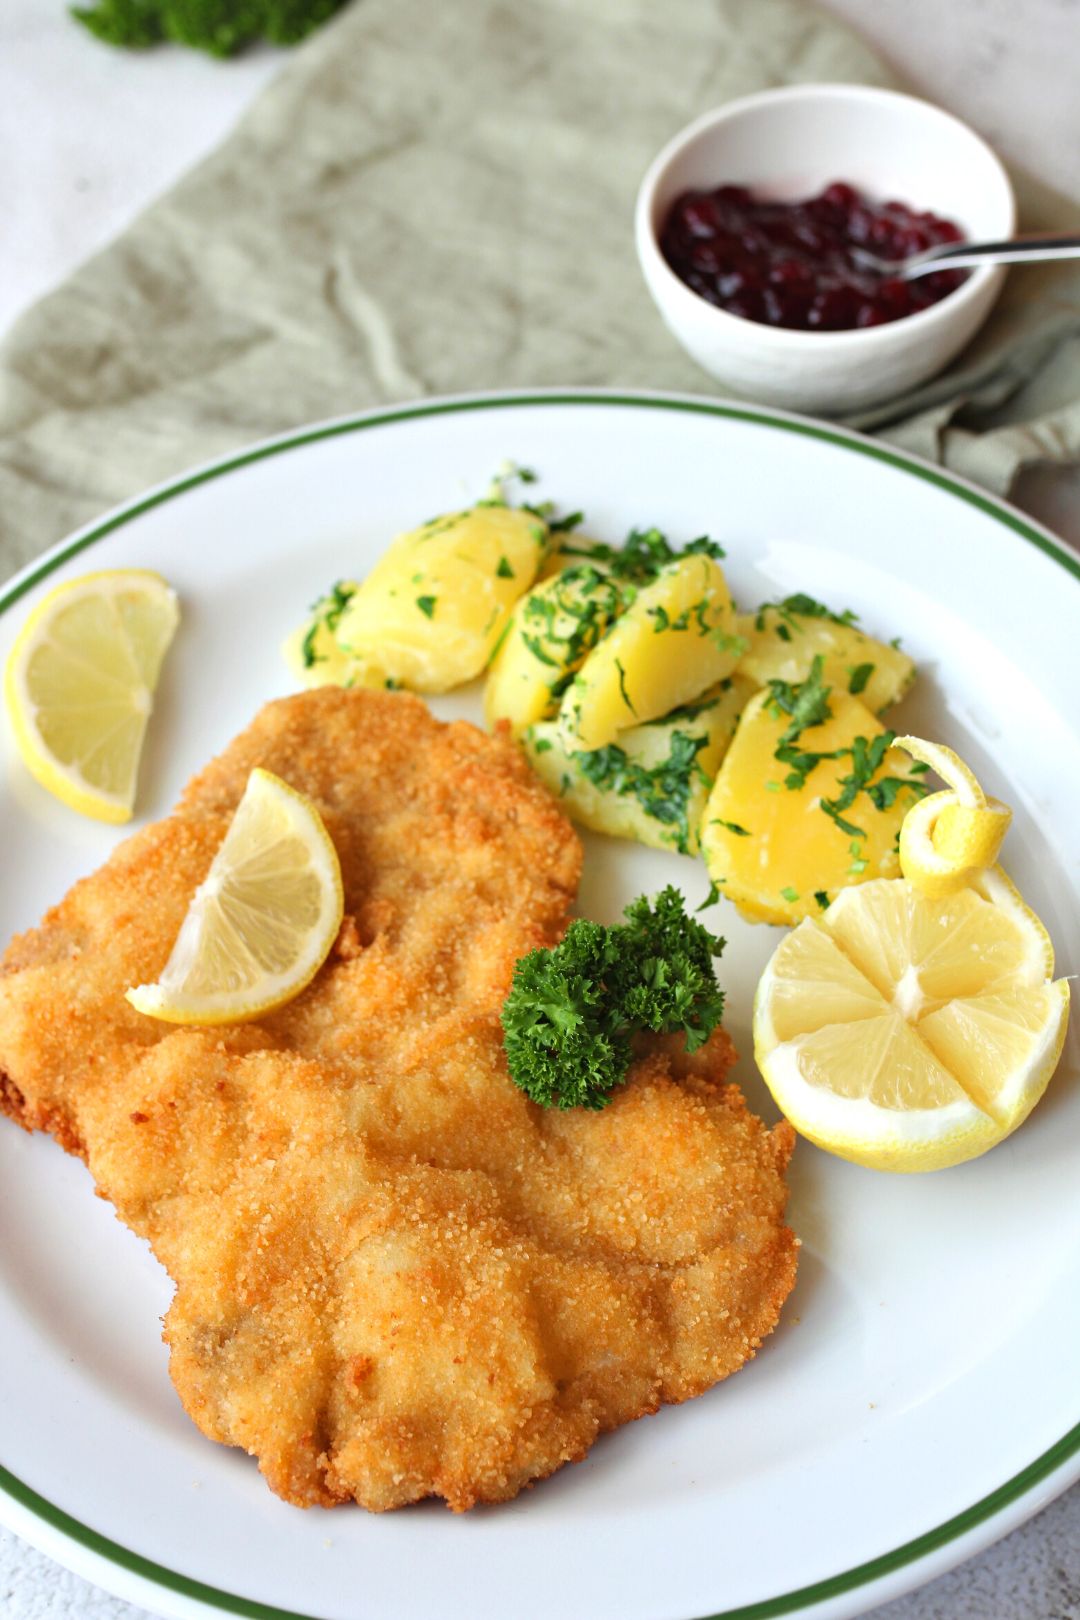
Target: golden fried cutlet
[395,1276]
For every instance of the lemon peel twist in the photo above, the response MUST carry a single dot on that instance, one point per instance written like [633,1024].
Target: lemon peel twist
[947,839]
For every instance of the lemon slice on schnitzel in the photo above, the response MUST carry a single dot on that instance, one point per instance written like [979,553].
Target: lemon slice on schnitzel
[80,681]
[917,1022]
[262,922]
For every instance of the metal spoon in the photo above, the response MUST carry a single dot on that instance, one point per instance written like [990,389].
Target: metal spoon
[954,255]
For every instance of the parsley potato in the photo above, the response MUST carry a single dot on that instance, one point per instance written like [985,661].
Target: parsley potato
[311,650]
[675,640]
[783,640]
[430,614]
[769,840]
[553,629]
[653,783]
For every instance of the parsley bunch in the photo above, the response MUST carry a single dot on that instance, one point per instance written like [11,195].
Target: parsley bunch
[571,1010]
[221,27]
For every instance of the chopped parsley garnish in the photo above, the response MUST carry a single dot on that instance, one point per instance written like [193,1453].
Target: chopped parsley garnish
[565,525]
[713,896]
[732,827]
[624,694]
[859,677]
[799,606]
[562,623]
[663,791]
[504,570]
[867,759]
[307,646]
[326,612]
[644,554]
[426,604]
[572,1009]
[807,704]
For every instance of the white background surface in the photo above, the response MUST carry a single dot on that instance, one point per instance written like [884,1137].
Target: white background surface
[88,135]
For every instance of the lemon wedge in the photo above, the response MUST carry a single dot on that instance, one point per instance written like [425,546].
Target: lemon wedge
[917,1022]
[79,685]
[262,922]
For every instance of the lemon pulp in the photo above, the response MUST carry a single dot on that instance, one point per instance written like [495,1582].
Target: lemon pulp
[261,923]
[79,685]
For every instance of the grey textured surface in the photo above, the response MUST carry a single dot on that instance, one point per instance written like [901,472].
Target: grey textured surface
[1008,65]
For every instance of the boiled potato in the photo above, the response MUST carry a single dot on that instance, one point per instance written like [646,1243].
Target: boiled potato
[311,650]
[553,629]
[653,783]
[772,848]
[430,614]
[674,641]
[783,643]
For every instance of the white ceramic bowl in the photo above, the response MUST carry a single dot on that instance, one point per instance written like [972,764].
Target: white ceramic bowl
[788,144]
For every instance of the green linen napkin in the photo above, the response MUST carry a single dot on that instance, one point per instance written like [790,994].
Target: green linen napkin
[438,198]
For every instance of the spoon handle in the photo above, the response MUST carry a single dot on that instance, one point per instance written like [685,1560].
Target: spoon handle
[1022,249]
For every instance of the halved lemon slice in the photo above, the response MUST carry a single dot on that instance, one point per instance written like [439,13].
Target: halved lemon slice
[262,922]
[907,1031]
[80,681]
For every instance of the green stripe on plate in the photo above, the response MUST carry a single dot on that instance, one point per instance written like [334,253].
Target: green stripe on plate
[786,1603]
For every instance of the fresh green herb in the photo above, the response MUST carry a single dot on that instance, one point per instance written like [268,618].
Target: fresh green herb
[567,618]
[790,895]
[326,613]
[307,646]
[565,525]
[571,1010]
[713,896]
[867,759]
[844,826]
[426,604]
[664,621]
[663,791]
[822,898]
[732,827]
[807,704]
[536,647]
[800,606]
[622,687]
[644,554]
[859,677]
[500,638]
[221,27]
[504,570]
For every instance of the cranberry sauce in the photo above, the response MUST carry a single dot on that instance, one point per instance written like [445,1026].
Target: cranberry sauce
[791,264]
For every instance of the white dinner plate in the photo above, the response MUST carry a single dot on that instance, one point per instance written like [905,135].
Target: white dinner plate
[921,1395]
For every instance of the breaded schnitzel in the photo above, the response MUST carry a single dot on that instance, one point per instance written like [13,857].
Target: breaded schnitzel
[395,1276]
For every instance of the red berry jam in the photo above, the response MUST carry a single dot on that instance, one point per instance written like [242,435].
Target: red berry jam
[791,264]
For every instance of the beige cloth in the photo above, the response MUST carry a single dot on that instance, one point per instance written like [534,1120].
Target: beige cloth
[438,198]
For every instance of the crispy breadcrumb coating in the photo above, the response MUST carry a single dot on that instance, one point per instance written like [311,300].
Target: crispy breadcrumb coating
[395,1276]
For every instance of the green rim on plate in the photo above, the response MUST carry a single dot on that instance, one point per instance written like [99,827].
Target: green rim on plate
[786,1603]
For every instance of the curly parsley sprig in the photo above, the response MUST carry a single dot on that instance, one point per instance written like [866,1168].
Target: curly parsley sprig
[571,1010]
